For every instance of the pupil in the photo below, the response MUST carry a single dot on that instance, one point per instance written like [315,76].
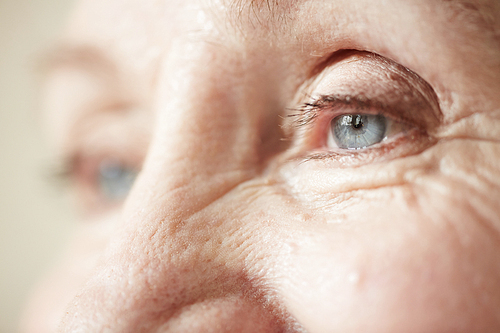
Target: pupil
[357,122]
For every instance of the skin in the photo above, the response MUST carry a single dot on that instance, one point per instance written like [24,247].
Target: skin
[243,220]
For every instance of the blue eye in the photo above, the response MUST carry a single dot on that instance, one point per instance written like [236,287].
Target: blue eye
[115,180]
[356,131]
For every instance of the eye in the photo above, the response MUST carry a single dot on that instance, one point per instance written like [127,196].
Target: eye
[115,180]
[352,130]
[100,182]
[357,131]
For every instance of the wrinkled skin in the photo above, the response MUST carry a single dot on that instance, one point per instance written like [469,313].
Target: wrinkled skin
[243,220]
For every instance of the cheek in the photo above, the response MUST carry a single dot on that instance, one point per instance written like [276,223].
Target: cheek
[387,259]
[404,266]
[51,297]
[203,268]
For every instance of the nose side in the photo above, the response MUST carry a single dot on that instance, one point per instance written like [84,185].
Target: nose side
[177,258]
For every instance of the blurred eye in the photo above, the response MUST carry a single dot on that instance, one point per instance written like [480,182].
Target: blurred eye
[101,183]
[115,180]
[357,131]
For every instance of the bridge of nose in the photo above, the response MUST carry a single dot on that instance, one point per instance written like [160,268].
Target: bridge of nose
[218,123]
[182,241]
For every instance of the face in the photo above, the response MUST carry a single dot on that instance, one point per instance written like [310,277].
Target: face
[299,166]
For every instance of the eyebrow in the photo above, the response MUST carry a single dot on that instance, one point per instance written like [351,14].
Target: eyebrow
[85,57]
[260,11]
[95,60]
[272,5]
[471,13]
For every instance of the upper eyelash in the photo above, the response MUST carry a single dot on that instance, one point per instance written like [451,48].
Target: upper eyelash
[309,111]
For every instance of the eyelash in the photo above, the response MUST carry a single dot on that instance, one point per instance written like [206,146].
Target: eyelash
[308,112]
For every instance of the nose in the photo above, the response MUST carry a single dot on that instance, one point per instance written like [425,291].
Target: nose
[179,260]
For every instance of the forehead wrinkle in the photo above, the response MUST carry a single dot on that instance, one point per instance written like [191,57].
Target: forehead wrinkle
[264,13]
[240,5]
[479,16]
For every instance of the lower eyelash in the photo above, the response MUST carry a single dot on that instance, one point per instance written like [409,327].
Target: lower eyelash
[408,144]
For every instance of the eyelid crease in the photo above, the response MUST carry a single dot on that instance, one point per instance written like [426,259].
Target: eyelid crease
[384,84]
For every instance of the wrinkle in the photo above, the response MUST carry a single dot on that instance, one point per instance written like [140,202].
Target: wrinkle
[216,198]
[270,15]
[480,126]
[478,17]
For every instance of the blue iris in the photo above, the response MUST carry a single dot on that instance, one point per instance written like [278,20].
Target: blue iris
[115,180]
[358,131]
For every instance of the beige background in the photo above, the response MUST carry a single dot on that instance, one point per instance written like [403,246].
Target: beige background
[35,218]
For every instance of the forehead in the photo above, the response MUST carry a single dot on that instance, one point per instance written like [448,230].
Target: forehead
[147,27]
[483,13]
[434,38]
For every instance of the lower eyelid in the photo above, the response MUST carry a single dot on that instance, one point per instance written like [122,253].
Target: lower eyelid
[407,144]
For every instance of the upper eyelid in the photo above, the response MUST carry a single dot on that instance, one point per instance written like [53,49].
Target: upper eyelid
[87,58]
[374,84]
[299,120]
[356,104]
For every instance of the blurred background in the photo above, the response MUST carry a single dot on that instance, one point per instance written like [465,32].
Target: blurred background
[35,216]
